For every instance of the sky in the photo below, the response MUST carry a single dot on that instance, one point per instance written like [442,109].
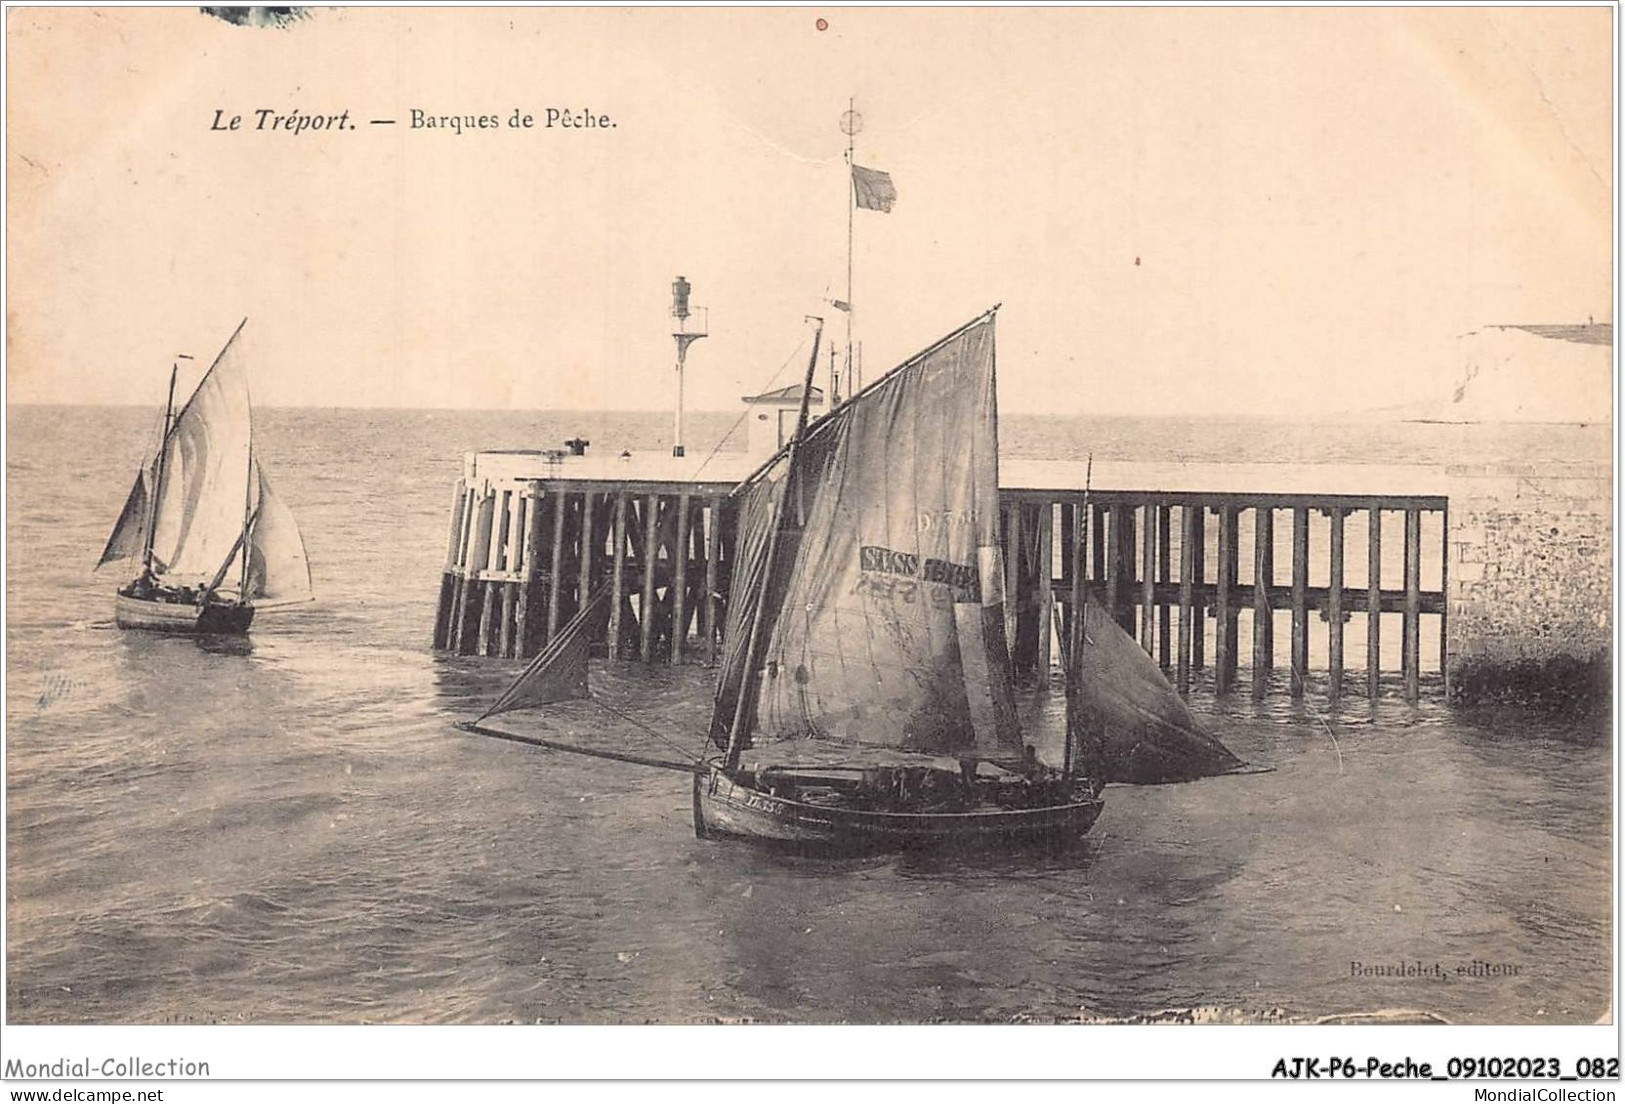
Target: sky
[1183,211]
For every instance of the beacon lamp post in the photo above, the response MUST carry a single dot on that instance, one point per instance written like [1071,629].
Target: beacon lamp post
[684,336]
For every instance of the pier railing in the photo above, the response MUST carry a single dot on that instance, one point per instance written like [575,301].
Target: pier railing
[1180,571]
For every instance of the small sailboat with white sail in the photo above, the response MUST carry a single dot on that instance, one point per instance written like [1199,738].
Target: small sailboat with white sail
[214,541]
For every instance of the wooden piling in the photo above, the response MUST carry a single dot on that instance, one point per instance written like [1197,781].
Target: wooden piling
[556,566]
[617,578]
[479,554]
[1029,603]
[1165,576]
[465,555]
[490,590]
[1269,578]
[1078,579]
[529,557]
[588,546]
[1444,591]
[1148,582]
[502,590]
[1187,583]
[651,553]
[1224,607]
[1199,610]
[1263,609]
[488,596]
[1300,599]
[1097,550]
[713,553]
[448,574]
[506,643]
[1334,607]
[1119,555]
[1126,564]
[696,559]
[1069,542]
[1413,604]
[506,560]
[1046,588]
[516,572]
[489,599]
[512,540]
[1012,576]
[679,582]
[1373,606]
[513,532]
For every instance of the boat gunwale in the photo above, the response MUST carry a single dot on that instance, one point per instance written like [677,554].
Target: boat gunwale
[212,618]
[885,816]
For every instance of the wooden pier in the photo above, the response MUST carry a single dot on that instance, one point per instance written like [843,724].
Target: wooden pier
[521,561]
[533,534]
[1169,566]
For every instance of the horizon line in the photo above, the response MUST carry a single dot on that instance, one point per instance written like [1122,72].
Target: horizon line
[1321,417]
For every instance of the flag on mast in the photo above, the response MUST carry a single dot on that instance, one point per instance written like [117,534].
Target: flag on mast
[873,189]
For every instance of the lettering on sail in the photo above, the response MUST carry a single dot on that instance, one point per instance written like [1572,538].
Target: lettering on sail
[874,558]
[963,578]
[944,580]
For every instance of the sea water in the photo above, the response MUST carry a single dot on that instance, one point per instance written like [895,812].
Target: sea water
[289,829]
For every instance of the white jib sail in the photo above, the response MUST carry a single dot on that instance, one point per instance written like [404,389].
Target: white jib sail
[199,518]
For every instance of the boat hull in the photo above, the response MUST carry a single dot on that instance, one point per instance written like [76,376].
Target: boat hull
[212,619]
[725,807]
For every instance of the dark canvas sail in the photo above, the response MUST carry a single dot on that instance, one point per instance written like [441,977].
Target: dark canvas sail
[1146,732]
[129,534]
[559,671]
[747,591]
[883,612]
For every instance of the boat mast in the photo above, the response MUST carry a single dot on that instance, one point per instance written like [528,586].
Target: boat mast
[1074,638]
[850,124]
[248,518]
[736,732]
[158,483]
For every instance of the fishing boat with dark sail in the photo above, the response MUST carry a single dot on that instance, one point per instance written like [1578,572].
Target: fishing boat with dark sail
[865,697]
[214,541]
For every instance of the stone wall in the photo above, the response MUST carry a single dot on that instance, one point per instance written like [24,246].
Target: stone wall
[1531,585]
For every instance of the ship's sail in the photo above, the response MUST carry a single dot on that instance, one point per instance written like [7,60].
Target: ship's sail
[757,512]
[210,491]
[559,671]
[199,516]
[129,534]
[882,617]
[278,570]
[1146,733]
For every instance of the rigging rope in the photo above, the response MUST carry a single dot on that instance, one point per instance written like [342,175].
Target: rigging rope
[575,749]
[635,723]
[1305,683]
[794,355]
